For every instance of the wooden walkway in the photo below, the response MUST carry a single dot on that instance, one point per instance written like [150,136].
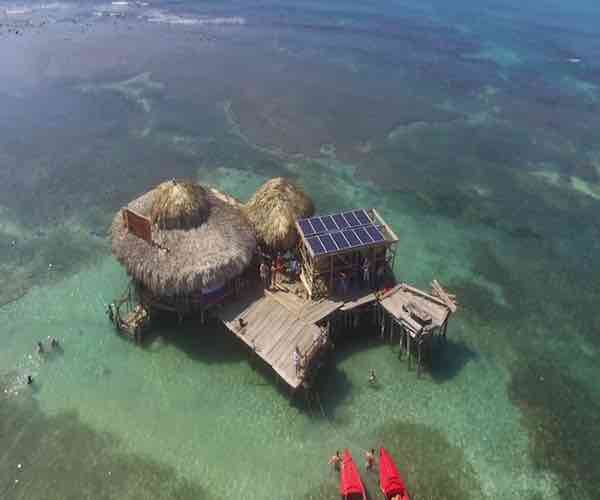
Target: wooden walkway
[273,332]
[272,323]
[358,300]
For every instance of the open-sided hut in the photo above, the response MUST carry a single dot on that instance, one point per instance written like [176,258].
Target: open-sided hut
[273,211]
[355,246]
[184,247]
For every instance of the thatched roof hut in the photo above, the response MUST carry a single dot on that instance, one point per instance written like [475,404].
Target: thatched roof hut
[273,210]
[199,241]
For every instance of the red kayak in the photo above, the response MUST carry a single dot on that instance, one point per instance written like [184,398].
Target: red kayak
[390,480]
[351,486]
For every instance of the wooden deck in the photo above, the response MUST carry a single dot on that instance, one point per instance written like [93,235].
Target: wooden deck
[274,322]
[416,310]
[273,332]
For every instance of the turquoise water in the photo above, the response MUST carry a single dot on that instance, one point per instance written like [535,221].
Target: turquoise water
[471,127]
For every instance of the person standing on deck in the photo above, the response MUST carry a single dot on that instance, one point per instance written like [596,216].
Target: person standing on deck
[343,283]
[264,273]
[273,275]
[366,268]
[380,275]
[297,359]
[294,268]
[279,264]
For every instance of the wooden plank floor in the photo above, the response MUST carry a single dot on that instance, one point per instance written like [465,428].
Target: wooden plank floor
[358,299]
[399,300]
[272,331]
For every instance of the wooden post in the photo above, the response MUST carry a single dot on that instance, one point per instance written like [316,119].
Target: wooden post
[419,346]
[400,344]
[331,275]
[445,328]
[408,348]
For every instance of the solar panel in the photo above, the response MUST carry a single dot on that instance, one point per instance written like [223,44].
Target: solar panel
[343,231]
[340,241]
[318,225]
[340,221]
[306,227]
[328,243]
[352,238]
[316,245]
[351,219]
[329,224]
[363,236]
[374,233]
[362,217]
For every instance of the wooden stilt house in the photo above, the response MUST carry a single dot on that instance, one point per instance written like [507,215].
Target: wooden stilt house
[185,248]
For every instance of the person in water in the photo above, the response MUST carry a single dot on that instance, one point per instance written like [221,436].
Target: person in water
[39,348]
[53,342]
[372,377]
[29,380]
[370,459]
[336,460]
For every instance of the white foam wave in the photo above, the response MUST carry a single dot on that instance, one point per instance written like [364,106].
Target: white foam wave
[158,16]
[20,10]
[17,11]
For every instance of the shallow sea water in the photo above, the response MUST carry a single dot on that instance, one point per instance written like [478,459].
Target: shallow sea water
[455,130]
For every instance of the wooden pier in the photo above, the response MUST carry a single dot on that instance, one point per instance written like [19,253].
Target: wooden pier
[273,331]
[273,323]
[337,273]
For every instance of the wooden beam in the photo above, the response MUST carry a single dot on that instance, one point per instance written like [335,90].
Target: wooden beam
[441,293]
[384,224]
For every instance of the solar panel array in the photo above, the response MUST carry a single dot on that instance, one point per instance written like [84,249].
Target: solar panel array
[340,232]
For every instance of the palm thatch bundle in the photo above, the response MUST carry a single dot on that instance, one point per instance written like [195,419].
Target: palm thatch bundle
[179,205]
[273,211]
[199,241]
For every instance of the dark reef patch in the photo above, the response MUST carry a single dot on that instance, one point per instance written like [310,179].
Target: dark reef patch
[432,467]
[62,458]
[562,417]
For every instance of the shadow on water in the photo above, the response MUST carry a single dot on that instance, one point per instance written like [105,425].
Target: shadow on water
[449,359]
[562,417]
[212,343]
[60,457]
[333,385]
[208,343]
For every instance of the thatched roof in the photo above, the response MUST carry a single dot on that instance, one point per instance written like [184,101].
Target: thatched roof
[200,241]
[273,210]
[179,205]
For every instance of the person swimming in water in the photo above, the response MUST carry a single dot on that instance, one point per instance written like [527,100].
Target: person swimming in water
[53,342]
[39,348]
[372,377]
[370,459]
[29,380]
[336,460]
